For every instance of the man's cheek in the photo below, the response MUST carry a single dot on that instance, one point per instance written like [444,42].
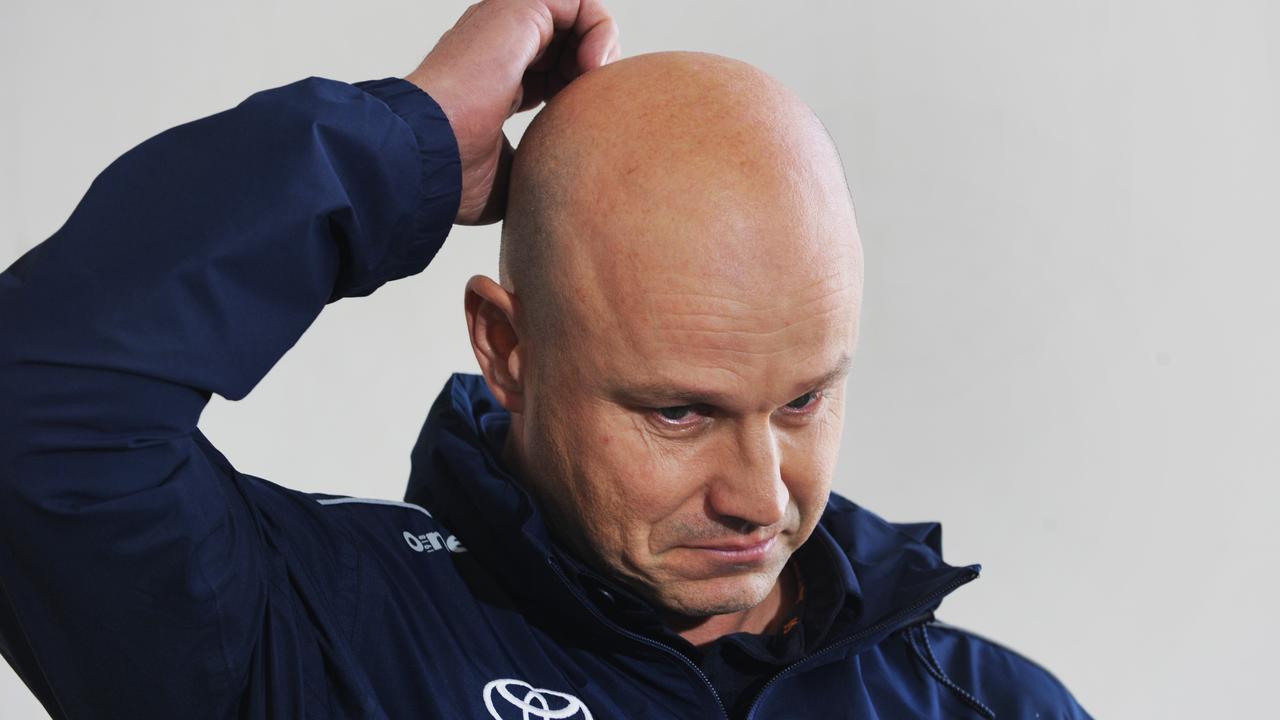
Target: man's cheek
[809,481]
[651,484]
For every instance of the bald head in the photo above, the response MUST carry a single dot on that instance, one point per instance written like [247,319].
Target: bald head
[670,168]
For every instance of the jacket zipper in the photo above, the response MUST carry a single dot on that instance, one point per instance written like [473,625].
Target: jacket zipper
[896,617]
[724,713]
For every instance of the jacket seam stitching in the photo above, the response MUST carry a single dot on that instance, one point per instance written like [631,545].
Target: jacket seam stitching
[930,661]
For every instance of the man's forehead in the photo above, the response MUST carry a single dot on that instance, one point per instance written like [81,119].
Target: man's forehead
[685,341]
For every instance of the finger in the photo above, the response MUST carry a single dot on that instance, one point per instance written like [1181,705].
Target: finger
[545,78]
[554,18]
[592,24]
[564,13]
[597,34]
[550,55]
[567,66]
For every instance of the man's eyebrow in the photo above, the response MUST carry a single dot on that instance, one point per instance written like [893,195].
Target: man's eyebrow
[667,395]
[835,374]
[672,395]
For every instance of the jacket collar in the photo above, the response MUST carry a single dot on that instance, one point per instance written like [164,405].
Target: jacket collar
[892,573]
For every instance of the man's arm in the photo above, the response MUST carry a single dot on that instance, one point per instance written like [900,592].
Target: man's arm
[133,571]
[195,261]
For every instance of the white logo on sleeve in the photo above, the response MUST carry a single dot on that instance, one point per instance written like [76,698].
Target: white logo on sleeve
[522,701]
[433,541]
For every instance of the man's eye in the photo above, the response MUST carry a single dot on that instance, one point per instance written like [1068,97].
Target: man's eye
[676,413]
[804,401]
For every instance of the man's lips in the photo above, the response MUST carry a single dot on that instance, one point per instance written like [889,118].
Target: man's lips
[736,551]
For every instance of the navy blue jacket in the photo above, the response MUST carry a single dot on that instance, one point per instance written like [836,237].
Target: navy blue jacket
[143,576]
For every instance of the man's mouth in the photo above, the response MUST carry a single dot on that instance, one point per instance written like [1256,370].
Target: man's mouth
[737,552]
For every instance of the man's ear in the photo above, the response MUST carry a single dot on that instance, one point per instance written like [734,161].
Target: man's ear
[491,313]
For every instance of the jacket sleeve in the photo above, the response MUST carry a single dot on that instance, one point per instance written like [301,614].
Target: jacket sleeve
[132,570]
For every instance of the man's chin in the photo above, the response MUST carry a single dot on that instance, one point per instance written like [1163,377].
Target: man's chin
[717,596]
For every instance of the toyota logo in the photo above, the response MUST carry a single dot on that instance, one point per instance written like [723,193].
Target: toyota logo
[532,703]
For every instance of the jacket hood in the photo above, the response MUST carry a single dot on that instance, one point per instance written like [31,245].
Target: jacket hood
[893,573]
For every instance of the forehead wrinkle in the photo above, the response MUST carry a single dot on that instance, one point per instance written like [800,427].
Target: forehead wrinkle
[749,333]
[743,319]
[753,352]
[749,312]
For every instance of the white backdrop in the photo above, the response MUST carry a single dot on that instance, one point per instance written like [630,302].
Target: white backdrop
[1069,341]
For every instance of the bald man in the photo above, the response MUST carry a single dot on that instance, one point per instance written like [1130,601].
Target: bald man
[628,515]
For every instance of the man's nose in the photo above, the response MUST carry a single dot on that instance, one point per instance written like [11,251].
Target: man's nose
[748,487]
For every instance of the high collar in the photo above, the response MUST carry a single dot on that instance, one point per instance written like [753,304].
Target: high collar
[892,573]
